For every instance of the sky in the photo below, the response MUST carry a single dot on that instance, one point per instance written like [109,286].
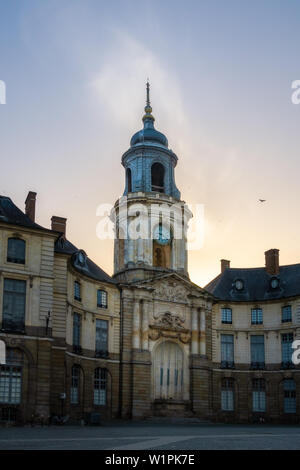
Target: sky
[221,74]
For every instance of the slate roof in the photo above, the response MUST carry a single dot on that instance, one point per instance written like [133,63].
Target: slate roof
[11,214]
[90,269]
[257,284]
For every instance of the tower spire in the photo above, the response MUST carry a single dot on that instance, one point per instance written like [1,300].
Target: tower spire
[148,110]
[148,93]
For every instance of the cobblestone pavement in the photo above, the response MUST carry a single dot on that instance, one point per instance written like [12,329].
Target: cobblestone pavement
[152,435]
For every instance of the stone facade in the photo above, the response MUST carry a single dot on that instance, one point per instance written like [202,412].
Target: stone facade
[147,341]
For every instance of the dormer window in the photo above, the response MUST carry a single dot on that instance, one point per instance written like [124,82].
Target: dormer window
[81,258]
[16,250]
[274,283]
[77,291]
[239,284]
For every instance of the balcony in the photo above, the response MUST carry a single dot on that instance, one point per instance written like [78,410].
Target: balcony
[287,365]
[77,349]
[227,365]
[257,366]
[101,353]
[11,326]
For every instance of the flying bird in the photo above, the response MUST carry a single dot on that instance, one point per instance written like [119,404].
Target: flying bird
[262,200]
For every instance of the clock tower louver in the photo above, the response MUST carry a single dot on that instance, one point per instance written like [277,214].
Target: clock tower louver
[150,219]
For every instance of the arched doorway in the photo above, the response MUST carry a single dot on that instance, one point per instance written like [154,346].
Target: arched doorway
[168,372]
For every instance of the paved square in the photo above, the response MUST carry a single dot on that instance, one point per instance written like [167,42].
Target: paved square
[152,435]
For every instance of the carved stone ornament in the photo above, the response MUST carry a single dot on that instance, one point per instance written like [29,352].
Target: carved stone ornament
[172,292]
[169,320]
[155,333]
[169,325]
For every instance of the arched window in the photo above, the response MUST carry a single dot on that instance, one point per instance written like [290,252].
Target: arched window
[75,385]
[289,390]
[159,258]
[157,177]
[101,298]
[129,180]
[11,378]
[100,386]
[16,250]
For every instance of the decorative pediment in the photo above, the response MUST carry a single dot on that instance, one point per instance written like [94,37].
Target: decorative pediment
[171,291]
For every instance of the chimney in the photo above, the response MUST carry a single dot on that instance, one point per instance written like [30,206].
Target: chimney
[225,263]
[30,205]
[58,224]
[272,261]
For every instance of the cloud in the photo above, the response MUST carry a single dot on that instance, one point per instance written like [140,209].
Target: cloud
[120,85]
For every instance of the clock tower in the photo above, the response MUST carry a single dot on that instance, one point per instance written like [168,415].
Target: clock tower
[163,314]
[150,219]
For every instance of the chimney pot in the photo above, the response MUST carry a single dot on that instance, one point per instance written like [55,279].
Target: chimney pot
[58,224]
[30,205]
[225,263]
[272,261]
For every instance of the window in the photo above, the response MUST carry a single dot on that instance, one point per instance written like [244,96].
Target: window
[227,351]
[76,333]
[227,395]
[286,349]
[286,314]
[259,395]
[75,384]
[226,315]
[11,378]
[289,390]
[101,338]
[16,250]
[157,177]
[257,352]
[77,289]
[14,300]
[100,386]
[256,316]
[102,298]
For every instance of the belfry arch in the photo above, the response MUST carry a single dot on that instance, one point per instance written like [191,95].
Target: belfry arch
[157,177]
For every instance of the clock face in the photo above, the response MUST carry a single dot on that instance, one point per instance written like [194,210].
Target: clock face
[162,235]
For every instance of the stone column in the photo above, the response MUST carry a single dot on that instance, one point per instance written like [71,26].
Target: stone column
[140,248]
[145,325]
[130,245]
[136,325]
[202,333]
[195,331]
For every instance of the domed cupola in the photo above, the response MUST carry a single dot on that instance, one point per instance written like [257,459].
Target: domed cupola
[148,135]
[149,163]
